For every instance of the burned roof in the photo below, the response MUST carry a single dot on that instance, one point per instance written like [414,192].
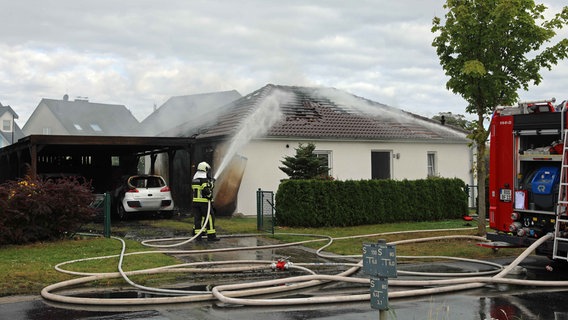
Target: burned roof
[327,113]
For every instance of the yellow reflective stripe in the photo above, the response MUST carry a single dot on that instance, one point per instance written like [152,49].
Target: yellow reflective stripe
[198,188]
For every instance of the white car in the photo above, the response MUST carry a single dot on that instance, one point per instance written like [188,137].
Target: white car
[144,193]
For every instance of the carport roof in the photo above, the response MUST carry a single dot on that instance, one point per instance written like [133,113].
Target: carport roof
[119,145]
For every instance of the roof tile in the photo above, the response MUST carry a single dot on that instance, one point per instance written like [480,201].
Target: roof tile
[331,113]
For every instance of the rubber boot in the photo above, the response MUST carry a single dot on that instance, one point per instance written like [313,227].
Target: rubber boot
[199,238]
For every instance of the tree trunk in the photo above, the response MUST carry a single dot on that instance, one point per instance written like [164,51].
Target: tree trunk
[480,139]
[481,173]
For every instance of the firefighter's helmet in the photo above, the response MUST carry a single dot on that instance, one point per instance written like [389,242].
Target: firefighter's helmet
[203,166]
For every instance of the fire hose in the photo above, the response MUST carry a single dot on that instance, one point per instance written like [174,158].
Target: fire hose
[240,293]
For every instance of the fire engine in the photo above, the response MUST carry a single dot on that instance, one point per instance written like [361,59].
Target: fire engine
[528,168]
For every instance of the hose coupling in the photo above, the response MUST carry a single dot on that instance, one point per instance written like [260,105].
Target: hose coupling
[281,264]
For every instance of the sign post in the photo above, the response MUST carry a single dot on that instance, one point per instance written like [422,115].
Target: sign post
[379,262]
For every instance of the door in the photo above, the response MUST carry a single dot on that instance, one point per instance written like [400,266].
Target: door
[381,164]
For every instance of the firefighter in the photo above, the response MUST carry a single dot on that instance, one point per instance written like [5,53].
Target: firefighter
[202,187]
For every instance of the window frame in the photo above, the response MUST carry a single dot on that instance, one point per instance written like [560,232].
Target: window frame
[328,155]
[432,163]
[7,125]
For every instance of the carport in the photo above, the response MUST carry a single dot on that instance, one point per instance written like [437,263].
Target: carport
[101,159]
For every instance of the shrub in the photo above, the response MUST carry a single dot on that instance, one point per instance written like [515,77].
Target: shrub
[38,210]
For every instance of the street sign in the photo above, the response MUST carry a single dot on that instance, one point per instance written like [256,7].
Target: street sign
[379,262]
[379,293]
[379,259]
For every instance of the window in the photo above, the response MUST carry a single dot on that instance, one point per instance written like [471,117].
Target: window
[326,156]
[78,127]
[46,130]
[7,125]
[96,127]
[432,170]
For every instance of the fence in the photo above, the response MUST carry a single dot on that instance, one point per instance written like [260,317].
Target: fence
[265,220]
[101,204]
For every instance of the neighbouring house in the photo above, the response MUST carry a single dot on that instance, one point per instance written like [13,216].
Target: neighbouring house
[359,138]
[10,132]
[189,111]
[81,117]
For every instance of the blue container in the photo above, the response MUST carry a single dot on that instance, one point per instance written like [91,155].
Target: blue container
[545,179]
[544,187]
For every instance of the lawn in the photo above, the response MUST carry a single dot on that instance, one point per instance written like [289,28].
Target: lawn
[27,269]
[350,239]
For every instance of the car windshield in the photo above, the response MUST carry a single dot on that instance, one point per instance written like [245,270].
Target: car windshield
[146,182]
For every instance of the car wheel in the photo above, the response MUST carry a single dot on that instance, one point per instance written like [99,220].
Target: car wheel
[120,212]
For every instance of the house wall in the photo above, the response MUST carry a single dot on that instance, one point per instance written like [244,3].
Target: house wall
[41,118]
[9,117]
[349,161]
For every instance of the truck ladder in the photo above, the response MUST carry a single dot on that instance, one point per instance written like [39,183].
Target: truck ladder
[562,204]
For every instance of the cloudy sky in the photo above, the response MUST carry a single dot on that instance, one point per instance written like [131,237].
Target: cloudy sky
[141,52]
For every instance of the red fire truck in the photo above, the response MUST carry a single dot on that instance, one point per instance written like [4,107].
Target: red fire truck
[528,169]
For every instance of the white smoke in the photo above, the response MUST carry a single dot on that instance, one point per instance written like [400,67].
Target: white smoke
[265,115]
[354,104]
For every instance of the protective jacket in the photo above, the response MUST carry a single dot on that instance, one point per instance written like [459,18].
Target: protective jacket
[202,186]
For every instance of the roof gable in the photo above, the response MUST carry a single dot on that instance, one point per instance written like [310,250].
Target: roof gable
[4,109]
[328,113]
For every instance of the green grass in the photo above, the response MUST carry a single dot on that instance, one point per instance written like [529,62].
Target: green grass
[27,269]
[459,248]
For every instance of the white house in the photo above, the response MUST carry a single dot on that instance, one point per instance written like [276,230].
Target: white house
[361,139]
[9,130]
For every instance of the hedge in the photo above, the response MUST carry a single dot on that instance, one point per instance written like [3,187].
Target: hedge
[324,203]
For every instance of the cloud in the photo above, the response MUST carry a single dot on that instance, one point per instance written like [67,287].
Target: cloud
[141,52]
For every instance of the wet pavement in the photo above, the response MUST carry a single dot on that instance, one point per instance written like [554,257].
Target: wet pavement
[489,302]
[494,303]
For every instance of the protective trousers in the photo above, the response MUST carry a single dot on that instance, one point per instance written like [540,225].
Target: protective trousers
[200,214]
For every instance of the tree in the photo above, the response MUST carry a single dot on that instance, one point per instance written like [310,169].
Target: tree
[305,165]
[490,50]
